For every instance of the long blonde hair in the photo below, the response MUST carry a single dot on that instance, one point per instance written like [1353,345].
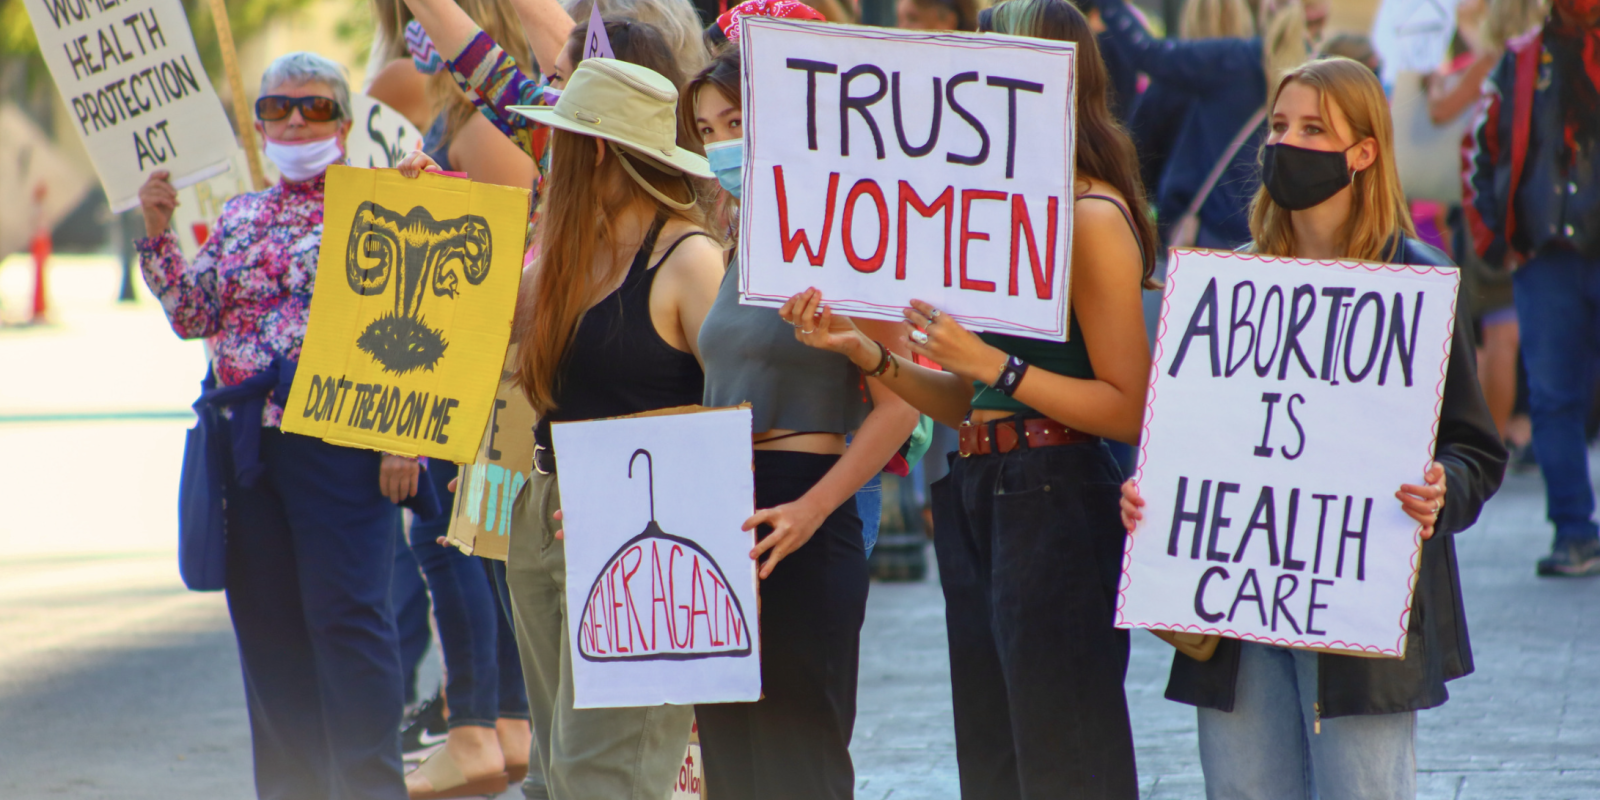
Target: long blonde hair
[498,19]
[1284,45]
[1378,205]
[1217,19]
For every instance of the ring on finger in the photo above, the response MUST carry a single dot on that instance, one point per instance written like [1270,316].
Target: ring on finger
[933,314]
[919,337]
[805,332]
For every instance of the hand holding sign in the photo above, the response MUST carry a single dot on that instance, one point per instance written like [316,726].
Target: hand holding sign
[159,199]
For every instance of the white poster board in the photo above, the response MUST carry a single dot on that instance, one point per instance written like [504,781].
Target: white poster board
[1413,35]
[381,136]
[1289,400]
[661,590]
[885,165]
[135,90]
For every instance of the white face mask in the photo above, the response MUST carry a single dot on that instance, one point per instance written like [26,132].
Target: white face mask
[302,161]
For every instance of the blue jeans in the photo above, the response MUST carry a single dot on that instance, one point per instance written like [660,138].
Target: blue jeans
[409,597]
[1558,306]
[869,503]
[1266,748]
[309,556]
[482,671]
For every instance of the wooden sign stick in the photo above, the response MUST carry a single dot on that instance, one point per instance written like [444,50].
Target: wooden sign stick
[242,117]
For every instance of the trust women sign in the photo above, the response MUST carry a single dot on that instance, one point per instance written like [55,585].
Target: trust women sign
[885,165]
[661,589]
[1289,400]
[411,314]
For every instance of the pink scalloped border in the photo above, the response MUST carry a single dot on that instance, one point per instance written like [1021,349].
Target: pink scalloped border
[1149,411]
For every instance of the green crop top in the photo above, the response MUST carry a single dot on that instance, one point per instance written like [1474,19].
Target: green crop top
[1069,358]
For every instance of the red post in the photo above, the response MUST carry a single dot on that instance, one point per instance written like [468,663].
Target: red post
[41,254]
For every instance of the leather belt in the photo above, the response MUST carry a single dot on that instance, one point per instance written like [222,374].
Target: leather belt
[1000,435]
[544,460]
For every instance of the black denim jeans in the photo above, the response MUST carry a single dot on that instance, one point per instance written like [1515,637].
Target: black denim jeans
[1030,547]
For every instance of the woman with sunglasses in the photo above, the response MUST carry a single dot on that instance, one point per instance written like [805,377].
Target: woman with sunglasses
[1025,525]
[1289,724]
[311,532]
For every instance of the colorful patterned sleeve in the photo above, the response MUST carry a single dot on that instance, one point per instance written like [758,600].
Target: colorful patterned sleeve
[490,74]
[188,293]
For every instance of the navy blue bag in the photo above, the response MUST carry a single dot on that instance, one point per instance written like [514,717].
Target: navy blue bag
[202,521]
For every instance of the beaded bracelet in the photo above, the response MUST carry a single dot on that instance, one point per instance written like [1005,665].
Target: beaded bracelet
[883,361]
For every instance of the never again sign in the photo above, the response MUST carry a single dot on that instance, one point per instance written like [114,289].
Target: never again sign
[661,589]
[136,91]
[885,165]
[1289,401]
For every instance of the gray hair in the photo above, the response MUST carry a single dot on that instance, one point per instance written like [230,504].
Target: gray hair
[677,21]
[304,67]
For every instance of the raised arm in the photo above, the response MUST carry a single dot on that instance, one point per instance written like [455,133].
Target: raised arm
[482,68]
[548,25]
[1195,65]
[188,292]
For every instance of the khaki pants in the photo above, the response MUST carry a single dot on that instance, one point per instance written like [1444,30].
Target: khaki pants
[610,753]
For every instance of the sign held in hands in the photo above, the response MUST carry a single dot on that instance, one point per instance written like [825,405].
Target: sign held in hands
[1289,401]
[416,284]
[661,589]
[135,89]
[887,165]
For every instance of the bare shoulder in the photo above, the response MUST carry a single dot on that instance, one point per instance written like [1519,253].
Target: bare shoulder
[695,257]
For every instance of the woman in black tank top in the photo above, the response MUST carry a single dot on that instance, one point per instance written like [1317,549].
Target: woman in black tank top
[607,325]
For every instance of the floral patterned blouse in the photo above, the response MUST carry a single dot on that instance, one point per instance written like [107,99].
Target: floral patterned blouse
[248,292]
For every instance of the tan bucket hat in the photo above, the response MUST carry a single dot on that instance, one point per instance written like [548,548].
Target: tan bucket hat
[624,103]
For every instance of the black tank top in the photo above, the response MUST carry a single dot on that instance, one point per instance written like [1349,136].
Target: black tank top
[617,363]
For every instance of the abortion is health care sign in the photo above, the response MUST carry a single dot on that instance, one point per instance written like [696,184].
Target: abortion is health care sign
[1289,400]
[660,584]
[135,89]
[888,165]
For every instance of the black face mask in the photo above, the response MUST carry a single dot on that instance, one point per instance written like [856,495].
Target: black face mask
[1298,179]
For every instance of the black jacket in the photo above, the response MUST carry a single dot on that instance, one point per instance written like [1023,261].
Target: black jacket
[1437,647]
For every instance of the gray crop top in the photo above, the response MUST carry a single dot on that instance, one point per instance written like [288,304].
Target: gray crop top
[751,356]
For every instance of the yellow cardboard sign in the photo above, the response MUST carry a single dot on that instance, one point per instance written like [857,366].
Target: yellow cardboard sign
[411,312]
[480,522]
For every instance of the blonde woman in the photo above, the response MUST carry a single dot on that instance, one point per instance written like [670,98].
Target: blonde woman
[1280,724]
[1229,80]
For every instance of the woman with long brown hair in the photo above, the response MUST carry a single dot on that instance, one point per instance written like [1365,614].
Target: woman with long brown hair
[1279,723]
[608,325]
[1026,525]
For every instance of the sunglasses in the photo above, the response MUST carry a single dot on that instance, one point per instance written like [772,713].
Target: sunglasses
[276,107]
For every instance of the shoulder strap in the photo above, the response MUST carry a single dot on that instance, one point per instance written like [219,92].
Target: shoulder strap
[641,259]
[1221,166]
[674,247]
[1127,215]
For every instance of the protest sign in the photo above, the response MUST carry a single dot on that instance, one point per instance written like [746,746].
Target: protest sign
[883,165]
[135,89]
[410,313]
[1413,35]
[481,523]
[661,590]
[381,136]
[1289,401]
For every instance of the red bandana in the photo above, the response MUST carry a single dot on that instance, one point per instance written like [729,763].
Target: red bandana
[790,9]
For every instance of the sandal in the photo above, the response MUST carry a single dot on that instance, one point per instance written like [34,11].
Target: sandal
[448,781]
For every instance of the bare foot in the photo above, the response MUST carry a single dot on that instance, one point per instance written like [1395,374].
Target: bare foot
[476,752]
[516,742]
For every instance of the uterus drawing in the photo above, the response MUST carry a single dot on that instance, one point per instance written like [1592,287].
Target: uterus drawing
[417,255]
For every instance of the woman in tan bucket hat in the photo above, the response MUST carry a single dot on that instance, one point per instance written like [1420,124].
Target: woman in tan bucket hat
[612,309]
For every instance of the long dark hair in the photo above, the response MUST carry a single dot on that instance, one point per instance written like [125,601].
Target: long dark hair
[723,75]
[1105,150]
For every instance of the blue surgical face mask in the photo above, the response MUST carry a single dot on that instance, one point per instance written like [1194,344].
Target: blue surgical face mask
[727,161]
